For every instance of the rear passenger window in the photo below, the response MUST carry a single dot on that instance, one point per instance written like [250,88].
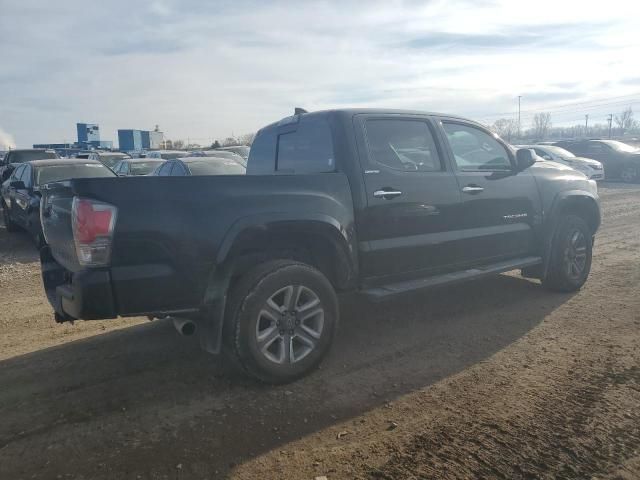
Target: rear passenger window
[262,156]
[17,173]
[26,176]
[308,149]
[178,170]
[165,169]
[406,145]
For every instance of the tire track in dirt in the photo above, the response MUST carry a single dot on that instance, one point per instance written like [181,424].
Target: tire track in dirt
[562,402]
[474,390]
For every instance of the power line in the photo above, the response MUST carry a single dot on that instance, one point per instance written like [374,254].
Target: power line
[575,113]
[561,107]
[561,113]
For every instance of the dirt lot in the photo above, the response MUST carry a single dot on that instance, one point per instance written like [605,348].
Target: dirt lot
[495,379]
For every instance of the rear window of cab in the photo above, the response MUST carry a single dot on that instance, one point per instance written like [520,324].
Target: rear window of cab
[305,146]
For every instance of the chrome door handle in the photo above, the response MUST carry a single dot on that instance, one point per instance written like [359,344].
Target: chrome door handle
[386,193]
[470,189]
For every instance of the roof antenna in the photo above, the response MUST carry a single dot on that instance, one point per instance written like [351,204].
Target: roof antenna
[299,111]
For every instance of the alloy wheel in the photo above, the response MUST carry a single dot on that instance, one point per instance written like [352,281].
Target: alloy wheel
[575,255]
[290,324]
[629,175]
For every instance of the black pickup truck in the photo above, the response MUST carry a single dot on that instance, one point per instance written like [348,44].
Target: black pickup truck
[377,201]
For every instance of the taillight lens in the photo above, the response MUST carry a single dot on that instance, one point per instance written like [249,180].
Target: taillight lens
[93,223]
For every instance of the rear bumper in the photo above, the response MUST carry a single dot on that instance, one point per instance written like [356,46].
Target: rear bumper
[86,294]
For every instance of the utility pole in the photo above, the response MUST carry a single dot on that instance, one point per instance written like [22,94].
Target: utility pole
[519,97]
[610,119]
[586,125]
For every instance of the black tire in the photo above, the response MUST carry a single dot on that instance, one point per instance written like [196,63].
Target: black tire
[250,315]
[571,252]
[629,174]
[9,224]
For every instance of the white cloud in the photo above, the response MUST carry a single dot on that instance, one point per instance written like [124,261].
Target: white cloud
[206,69]
[6,140]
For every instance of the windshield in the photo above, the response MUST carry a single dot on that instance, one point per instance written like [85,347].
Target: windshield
[559,151]
[219,154]
[28,155]
[241,150]
[55,173]
[216,167]
[111,160]
[143,168]
[620,146]
[173,155]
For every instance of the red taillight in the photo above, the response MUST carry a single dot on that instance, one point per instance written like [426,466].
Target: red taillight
[93,223]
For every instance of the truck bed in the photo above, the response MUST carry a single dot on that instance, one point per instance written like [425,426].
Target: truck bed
[171,231]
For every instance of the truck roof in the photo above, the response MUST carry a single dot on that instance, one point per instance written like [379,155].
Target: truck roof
[369,111]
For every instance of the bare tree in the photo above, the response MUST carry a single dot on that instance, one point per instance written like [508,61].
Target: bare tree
[178,144]
[541,124]
[229,141]
[246,139]
[625,121]
[506,128]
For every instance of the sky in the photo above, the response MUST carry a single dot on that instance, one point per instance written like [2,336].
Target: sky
[209,69]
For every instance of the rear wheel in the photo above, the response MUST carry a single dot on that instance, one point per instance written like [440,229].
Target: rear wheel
[570,261]
[9,224]
[629,174]
[281,319]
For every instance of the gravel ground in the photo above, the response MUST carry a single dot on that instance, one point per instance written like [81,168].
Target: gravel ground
[493,379]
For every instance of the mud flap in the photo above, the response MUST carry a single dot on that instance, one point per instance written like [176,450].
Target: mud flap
[210,323]
[211,320]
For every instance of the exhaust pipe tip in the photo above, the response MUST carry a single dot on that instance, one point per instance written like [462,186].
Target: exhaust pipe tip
[184,326]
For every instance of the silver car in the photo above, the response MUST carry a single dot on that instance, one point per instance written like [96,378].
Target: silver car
[591,168]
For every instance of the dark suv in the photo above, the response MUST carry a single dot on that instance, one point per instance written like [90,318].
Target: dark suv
[13,158]
[620,160]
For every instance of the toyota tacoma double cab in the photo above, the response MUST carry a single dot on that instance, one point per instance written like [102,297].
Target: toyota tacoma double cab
[381,202]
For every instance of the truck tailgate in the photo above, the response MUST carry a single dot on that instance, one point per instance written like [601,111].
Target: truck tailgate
[55,213]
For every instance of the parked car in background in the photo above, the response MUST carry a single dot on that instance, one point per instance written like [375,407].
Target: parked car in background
[136,166]
[199,166]
[620,161]
[167,154]
[110,159]
[241,150]
[20,193]
[13,158]
[591,168]
[220,154]
[383,202]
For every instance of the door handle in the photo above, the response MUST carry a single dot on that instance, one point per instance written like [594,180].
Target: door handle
[387,194]
[472,189]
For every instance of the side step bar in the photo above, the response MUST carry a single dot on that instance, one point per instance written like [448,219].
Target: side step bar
[385,291]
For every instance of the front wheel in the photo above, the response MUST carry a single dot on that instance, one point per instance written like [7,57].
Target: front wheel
[281,319]
[35,228]
[9,224]
[571,251]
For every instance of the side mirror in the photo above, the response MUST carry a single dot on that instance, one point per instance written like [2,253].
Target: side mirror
[17,184]
[525,158]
